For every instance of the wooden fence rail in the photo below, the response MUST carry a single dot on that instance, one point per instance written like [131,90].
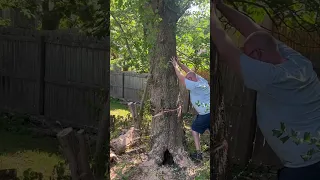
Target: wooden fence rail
[127,85]
[58,75]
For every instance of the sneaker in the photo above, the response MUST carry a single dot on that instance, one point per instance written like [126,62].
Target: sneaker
[197,156]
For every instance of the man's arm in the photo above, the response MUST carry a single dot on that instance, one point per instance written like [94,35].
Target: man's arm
[177,71]
[247,26]
[240,21]
[179,75]
[257,75]
[227,50]
[183,67]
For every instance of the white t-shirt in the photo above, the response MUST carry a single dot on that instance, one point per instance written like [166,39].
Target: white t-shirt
[199,94]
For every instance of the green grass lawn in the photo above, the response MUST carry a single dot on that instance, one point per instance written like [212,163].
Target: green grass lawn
[22,151]
[118,109]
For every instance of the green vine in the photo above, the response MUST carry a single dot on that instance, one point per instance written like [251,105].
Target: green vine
[284,135]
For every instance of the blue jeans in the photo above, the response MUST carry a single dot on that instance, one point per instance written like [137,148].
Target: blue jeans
[311,172]
[201,123]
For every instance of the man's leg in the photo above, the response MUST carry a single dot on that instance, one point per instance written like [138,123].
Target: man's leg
[199,126]
[196,137]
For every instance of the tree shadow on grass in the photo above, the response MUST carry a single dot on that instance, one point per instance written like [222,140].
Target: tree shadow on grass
[12,142]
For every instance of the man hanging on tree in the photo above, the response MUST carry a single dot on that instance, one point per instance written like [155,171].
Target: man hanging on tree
[200,99]
[288,90]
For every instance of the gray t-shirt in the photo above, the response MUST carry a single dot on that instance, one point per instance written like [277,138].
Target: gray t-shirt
[288,93]
[199,94]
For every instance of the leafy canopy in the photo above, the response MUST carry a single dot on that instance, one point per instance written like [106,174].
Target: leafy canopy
[133,35]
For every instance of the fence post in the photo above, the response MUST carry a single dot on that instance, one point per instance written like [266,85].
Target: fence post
[41,81]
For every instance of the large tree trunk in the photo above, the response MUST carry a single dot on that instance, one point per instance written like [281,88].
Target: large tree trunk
[50,19]
[219,156]
[167,127]
[101,155]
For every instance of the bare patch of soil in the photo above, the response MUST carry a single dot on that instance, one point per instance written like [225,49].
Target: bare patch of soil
[138,167]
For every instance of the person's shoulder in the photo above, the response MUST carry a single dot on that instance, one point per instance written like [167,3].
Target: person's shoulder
[190,85]
[293,74]
[201,78]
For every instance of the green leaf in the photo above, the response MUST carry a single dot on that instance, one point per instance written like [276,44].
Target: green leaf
[277,133]
[311,152]
[296,140]
[284,139]
[283,127]
[294,133]
[313,140]
[120,3]
[306,157]
[307,137]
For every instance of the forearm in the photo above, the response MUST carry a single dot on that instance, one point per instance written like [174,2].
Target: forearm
[179,74]
[241,22]
[219,36]
[184,67]
[227,50]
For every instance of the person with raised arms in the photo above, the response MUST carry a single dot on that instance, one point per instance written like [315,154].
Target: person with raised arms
[200,98]
[288,89]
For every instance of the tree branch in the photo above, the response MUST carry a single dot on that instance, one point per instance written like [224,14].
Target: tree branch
[126,40]
[283,12]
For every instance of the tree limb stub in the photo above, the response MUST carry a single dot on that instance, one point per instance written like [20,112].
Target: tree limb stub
[76,151]
[69,144]
[83,157]
[144,98]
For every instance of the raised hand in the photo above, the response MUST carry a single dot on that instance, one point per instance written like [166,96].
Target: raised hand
[174,61]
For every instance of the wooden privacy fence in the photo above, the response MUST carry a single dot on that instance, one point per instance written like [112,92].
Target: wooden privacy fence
[60,76]
[127,85]
[130,86]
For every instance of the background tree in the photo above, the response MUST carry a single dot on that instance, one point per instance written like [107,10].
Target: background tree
[167,127]
[132,26]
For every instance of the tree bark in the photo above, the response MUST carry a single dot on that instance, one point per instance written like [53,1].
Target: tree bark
[68,141]
[219,156]
[184,96]
[137,124]
[166,127]
[101,156]
[50,19]
[133,108]
[75,149]
[83,157]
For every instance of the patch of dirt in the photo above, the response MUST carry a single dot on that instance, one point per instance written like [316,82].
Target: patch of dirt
[133,164]
[138,168]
